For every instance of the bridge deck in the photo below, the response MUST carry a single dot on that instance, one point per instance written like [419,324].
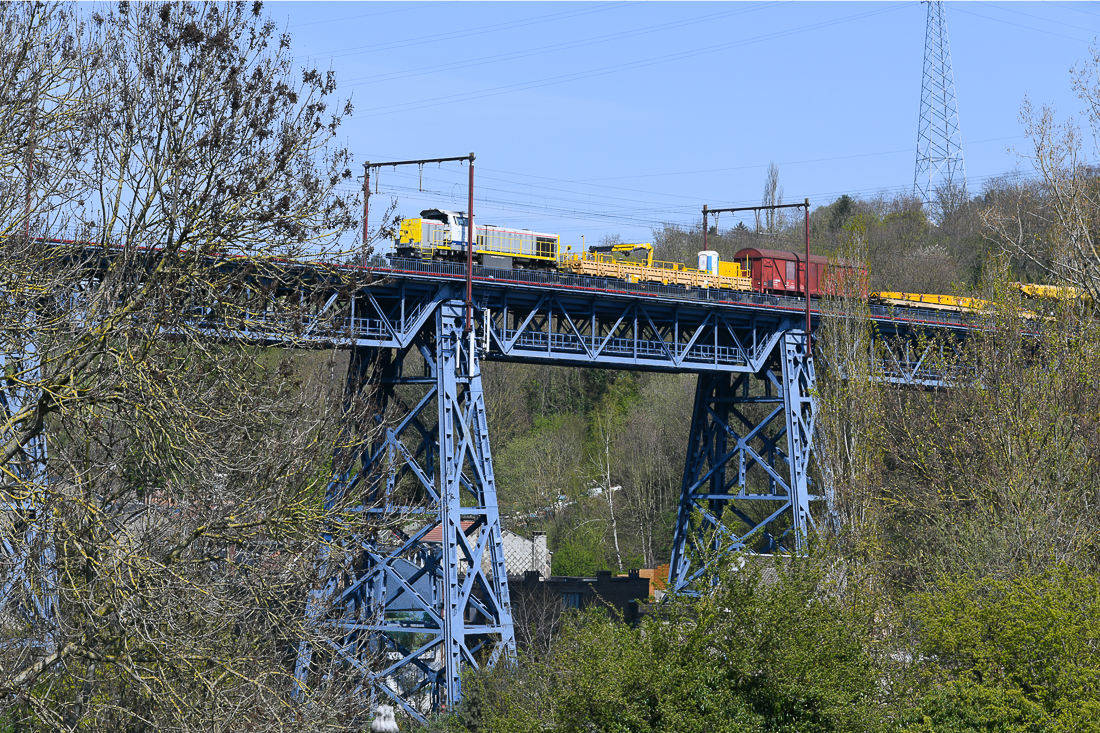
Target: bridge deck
[576,320]
[493,279]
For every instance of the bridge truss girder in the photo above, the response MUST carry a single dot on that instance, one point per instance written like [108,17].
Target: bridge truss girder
[629,334]
[569,328]
[28,572]
[912,360]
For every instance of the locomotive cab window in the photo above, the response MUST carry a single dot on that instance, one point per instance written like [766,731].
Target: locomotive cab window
[545,247]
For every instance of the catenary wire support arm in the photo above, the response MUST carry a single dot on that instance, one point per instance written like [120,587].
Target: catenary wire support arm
[707,211]
[420,162]
[809,337]
[471,239]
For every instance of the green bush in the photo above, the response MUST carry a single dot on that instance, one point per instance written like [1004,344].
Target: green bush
[1010,655]
[751,656]
[788,649]
[962,706]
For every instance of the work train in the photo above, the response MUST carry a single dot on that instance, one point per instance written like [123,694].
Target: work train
[441,236]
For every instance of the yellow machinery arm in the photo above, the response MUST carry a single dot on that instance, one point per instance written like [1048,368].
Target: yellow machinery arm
[626,250]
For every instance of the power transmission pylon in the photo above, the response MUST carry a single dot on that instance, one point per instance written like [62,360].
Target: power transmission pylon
[939,140]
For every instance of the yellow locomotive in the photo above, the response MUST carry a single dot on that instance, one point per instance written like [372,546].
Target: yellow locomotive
[442,235]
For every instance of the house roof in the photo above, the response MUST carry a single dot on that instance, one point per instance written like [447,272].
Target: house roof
[436,533]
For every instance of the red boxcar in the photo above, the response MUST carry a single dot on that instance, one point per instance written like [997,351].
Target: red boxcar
[784,273]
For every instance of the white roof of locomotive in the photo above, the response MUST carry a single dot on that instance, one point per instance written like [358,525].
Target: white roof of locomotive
[441,215]
[448,216]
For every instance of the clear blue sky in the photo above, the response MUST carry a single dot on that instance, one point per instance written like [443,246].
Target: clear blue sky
[611,118]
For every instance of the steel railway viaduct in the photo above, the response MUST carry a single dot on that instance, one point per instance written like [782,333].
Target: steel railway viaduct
[434,600]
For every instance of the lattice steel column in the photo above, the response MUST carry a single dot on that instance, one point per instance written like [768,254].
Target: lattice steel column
[939,139]
[28,593]
[428,595]
[746,484]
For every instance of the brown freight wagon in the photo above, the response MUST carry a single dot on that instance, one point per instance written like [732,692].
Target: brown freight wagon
[784,273]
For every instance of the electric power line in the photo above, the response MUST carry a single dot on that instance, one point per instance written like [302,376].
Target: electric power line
[408,7]
[955,7]
[576,76]
[525,53]
[466,32]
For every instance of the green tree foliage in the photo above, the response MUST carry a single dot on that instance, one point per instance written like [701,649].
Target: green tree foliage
[781,648]
[805,646]
[1009,655]
[539,470]
[581,550]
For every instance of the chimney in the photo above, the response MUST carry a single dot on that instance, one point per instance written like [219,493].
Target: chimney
[540,560]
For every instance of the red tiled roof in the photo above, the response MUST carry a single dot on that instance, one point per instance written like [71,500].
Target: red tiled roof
[436,534]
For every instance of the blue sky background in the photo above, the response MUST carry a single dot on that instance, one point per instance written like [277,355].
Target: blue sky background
[612,118]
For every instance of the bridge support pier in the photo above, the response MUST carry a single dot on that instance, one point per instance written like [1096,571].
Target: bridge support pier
[28,572]
[427,593]
[746,484]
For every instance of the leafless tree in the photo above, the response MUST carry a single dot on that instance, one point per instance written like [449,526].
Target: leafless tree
[1052,226]
[602,465]
[538,619]
[185,164]
[849,406]
[774,220]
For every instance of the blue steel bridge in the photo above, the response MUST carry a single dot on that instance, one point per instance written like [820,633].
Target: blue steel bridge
[421,606]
